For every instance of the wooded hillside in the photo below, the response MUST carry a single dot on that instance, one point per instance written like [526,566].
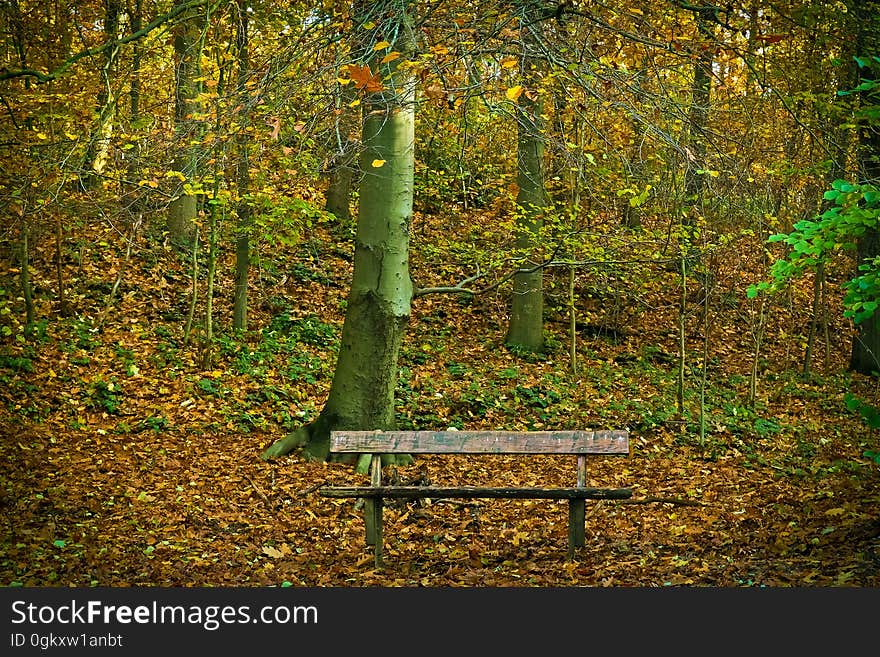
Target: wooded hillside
[231,227]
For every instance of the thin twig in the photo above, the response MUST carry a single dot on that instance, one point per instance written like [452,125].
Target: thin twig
[261,494]
[310,489]
[122,268]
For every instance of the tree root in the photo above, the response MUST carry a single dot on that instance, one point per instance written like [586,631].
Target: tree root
[314,439]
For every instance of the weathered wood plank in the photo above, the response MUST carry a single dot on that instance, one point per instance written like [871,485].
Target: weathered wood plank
[481,442]
[473,492]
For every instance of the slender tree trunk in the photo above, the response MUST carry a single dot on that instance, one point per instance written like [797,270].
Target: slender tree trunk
[134,95]
[243,180]
[134,92]
[188,37]
[194,293]
[211,271]
[526,326]
[343,167]
[758,337]
[818,282]
[682,342]
[572,322]
[216,212]
[698,120]
[362,392]
[634,170]
[59,266]
[25,274]
[99,144]
[343,164]
[340,184]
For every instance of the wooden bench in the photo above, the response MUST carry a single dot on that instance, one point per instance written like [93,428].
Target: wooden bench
[376,443]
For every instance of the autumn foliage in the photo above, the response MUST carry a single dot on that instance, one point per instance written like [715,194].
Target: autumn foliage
[133,415]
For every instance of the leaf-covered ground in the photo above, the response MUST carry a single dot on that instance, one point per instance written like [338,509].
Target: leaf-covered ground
[126,461]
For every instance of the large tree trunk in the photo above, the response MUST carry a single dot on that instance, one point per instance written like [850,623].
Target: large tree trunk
[526,326]
[865,355]
[362,392]
[187,54]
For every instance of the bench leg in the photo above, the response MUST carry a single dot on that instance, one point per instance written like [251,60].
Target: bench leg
[576,522]
[373,522]
[377,530]
[369,520]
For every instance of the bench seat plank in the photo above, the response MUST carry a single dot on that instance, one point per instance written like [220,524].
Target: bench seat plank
[481,442]
[473,492]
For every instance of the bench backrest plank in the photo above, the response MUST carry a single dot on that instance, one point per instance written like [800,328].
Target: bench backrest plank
[480,442]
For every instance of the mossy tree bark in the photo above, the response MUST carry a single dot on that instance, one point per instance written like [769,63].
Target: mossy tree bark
[362,392]
[526,325]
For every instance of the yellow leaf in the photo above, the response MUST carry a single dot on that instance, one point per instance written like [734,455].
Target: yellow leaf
[381,45]
[508,62]
[378,163]
[364,78]
[369,25]
[42,135]
[390,57]
[272,552]
[835,512]
[355,102]
[514,93]
[343,81]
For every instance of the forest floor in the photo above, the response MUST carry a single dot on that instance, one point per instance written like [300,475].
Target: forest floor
[128,459]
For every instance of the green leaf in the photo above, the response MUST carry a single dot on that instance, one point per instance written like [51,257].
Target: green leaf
[59,543]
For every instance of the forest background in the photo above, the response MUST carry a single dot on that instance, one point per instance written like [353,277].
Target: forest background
[230,227]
